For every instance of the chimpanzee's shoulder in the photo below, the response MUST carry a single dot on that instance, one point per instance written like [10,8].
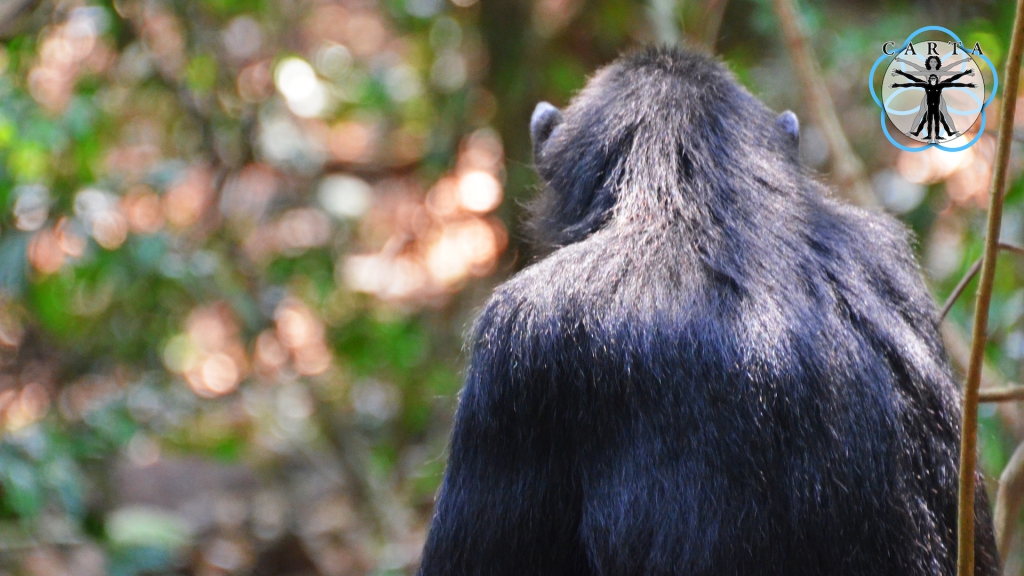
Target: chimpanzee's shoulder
[585,282]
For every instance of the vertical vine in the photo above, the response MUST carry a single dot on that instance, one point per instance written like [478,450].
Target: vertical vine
[969,428]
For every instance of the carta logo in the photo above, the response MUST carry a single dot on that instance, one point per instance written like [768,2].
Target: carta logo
[933,91]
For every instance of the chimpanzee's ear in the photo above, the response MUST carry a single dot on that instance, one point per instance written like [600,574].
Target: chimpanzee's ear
[790,125]
[542,124]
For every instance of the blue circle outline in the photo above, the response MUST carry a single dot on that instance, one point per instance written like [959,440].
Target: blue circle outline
[885,129]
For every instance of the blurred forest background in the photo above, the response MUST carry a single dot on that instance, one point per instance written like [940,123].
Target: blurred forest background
[241,242]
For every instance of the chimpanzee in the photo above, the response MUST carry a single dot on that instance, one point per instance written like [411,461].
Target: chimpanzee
[717,369]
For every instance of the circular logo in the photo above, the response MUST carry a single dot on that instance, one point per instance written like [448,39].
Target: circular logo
[933,112]
[933,91]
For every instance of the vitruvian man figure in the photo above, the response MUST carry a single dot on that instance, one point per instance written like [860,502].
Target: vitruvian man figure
[933,65]
[934,107]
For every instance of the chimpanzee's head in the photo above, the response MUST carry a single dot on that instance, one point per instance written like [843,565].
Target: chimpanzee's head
[933,79]
[657,130]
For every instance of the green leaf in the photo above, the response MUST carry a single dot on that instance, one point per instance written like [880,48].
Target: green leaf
[201,74]
[21,485]
[28,162]
[139,526]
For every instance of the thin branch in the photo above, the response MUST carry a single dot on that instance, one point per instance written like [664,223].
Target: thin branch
[971,272]
[664,18]
[1009,500]
[1011,248]
[1001,394]
[353,453]
[11,13]
[846,166]
[713,13]
[969,427]
[959,349]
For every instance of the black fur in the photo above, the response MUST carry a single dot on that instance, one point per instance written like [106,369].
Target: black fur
[718,370]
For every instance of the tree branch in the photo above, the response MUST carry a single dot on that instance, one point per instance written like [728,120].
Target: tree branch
[713,13]
[664,19]
[969,427]
[1001,393]
[971,272]
[1011,248]
[959,350]
[379,503]
[1009,500]
[846,166]
[11,13]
